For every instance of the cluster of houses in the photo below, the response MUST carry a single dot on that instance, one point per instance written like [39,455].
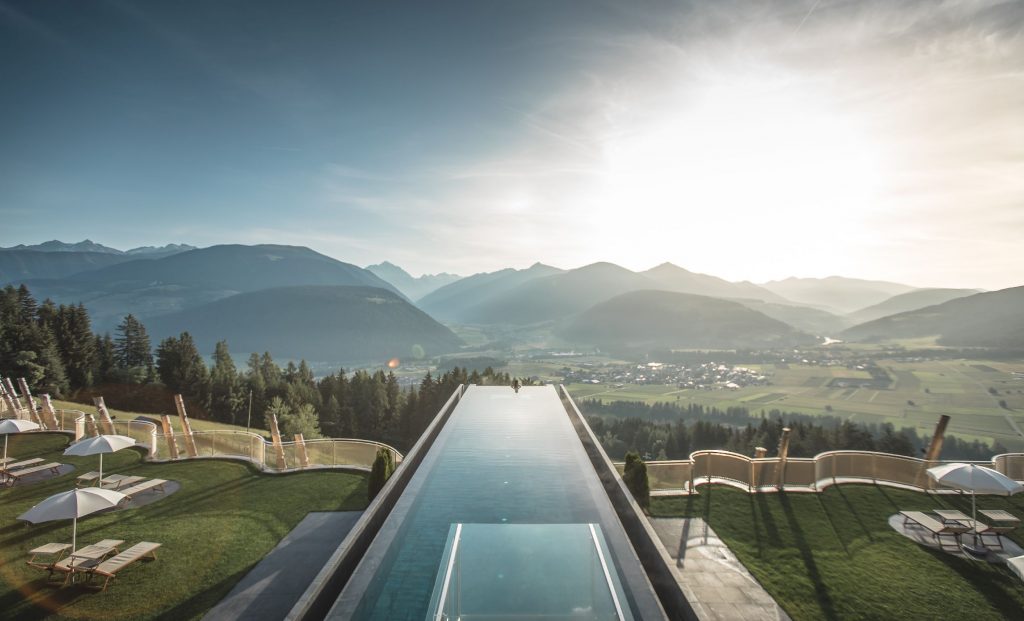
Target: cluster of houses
[706,376]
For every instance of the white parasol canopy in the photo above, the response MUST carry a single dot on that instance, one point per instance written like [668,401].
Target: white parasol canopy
[974,478]
[99,445]
[71,506]
[15,425]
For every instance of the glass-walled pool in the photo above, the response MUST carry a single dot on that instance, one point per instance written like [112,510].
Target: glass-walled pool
[506,497]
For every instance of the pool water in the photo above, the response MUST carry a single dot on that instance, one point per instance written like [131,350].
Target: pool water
[501,459]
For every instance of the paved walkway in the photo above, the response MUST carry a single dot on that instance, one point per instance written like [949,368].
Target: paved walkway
[717,586]
[270,590]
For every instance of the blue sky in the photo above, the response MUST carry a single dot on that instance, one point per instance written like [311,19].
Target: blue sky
[751,140]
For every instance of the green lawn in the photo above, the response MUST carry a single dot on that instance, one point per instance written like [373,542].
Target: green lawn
[197,424]
[222,521]
[833,555]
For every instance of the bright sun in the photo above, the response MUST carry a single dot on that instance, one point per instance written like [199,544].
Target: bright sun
[743,164]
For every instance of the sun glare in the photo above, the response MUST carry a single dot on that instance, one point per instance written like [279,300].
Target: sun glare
[750,162]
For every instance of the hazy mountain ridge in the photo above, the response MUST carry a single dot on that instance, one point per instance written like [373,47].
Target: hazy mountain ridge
[88,245]
[17,266]
[642,320]
[671,277]
[836,294]
[152,287]
[414,288]
[989,319]
[318,323]
[458,301]
[906,302]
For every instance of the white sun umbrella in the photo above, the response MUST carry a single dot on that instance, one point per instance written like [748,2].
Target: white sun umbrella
[71,506]
[14,425]
[99,445]
[976,479]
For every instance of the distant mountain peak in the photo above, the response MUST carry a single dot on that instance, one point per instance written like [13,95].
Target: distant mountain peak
[55,245]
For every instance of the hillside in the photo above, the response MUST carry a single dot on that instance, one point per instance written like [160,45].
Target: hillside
[805,318]
[151,287]
[643,320]
[150,252]
[671,277]
[460,300]
[992,319]
[906,302]
[412,288]
[319,323]
[836,294]
[17,266]
[559,295]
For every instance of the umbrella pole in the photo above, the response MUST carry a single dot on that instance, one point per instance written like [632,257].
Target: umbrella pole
[99,481]
[74,534]
[974,518]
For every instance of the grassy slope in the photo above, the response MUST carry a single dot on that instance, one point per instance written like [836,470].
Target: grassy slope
[197,424]
[221,522]
[833,556]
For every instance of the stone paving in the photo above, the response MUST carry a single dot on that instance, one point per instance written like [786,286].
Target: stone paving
[716,584]
[269,591]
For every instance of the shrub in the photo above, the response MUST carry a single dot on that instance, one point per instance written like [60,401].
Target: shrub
[383,466]
[635,477]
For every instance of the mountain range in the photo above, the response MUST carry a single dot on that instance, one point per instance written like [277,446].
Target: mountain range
[320,323]
[90,246]
[989,319]
[836,294]
[277,294]
[646,320]
[152,287]
[412,288]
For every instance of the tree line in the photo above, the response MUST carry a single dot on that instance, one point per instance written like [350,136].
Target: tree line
[673,431]
[54,348]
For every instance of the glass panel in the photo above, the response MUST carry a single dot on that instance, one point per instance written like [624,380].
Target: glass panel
[526,571]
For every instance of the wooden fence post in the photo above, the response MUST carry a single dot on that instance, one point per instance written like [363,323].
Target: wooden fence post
[186,427]
[105,421]
[275,436]
[48,414]
[300,450]
[172,445]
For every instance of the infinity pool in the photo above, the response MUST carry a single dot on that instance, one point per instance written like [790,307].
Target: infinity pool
[502,459]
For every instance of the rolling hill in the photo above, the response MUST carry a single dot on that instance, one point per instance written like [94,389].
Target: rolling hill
[559,295]
[17,266]
[152,287]
[644,320]
[319,323]
[836,294]
[906,302]
[459,301]
[671,277]
[991,319]
[412,288]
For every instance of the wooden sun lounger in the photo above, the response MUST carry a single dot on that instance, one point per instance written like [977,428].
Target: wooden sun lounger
[53,467]
[157,484]
[936,527]
[117,481]
[1005,522]
[89,554]
[110,567]
[23,464]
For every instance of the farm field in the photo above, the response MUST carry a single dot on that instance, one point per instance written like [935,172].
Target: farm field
[984,398]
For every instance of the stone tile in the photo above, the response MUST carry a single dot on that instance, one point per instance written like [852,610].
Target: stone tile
[717,585]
